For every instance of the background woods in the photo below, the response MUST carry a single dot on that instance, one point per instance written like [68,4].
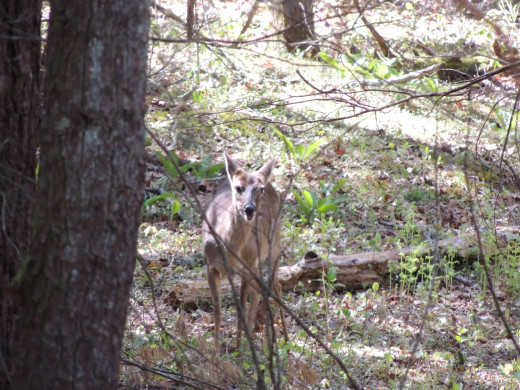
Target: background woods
[394,126]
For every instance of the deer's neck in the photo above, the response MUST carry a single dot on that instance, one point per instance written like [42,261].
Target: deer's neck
[240,231]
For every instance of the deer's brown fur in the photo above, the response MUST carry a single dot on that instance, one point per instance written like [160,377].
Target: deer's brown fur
[246,222]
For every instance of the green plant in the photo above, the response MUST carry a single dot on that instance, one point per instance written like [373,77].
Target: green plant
[199,169]
[204,169]
[414,269]
[330,277]
[509,10]
[329,281]
[313,206]
[511,371]
[175,206]
[504,118]
[431,83]
[363,64]
[462,337]
[418,195]
[426,151]
[505,266]
[449,268]
[408,266]
[411,234]
[299,152]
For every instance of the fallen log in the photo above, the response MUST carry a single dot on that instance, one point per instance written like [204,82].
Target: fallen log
[352,270]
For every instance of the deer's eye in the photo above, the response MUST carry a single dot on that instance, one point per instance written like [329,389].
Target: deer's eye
[261,189]
[239,189]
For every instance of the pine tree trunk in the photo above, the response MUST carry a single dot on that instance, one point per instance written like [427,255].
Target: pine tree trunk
[76,282]
[19,121]
[298,18]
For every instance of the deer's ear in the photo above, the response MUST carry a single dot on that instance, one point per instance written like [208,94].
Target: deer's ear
[231,166]
[266,170]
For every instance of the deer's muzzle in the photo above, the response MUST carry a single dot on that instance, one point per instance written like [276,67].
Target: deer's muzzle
[249,209]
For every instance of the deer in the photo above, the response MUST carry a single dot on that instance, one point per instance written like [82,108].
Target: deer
[241,232]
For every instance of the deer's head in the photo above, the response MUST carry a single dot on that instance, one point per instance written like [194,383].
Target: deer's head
[247,188]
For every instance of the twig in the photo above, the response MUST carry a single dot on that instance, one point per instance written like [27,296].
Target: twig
[483,262]
[436,261]
[260,282]
[176,377]
[190,19]
[385,48]
[452,91]
[222,248]
[250,16]
[163,327]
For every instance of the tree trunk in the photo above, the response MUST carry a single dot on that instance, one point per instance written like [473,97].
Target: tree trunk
[298,16]
[19,121]
[75,284]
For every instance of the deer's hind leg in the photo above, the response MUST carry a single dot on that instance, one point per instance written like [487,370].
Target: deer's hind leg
[241,311]
[214,288]
[254,300]
[277,289]
[248,289]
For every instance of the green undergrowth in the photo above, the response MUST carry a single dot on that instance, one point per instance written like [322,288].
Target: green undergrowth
[392,181]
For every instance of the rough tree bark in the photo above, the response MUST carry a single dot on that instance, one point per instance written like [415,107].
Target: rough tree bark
[19,121]
[298,17]
[74,285]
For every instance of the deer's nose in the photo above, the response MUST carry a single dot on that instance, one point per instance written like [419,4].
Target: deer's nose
[250,209]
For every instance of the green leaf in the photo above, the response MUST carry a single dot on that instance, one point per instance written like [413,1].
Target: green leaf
[156,198]
[331,275]
[382,71]
[314,199]
[324,209]
[431,83]
[214,169]
[313,147]
[298,198]
[167,163]
[338,185]
[300,151]
[287,141]
[393,71]
[329,60]
[189,166]
[175,207]
[309,199]
[306,208]
[372,64]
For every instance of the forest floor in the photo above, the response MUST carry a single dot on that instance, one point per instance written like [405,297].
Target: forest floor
[376,179]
